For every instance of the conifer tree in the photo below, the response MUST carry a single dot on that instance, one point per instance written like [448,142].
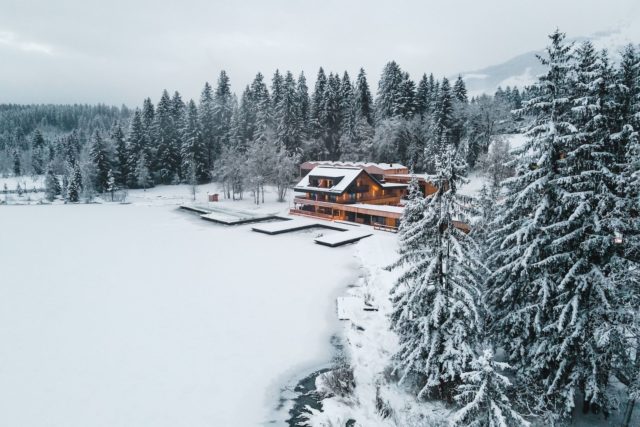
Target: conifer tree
[142,173]
[460,90]
[304,105]
[194,153]
[52,185]
[136,147]
[17,164]
[390,92]
[167,157]
[112,187]
[277,89]
[317,105]
[286,113]
[422,95]
[484,396]
[363,99]
[99,155]
[74,183]
[38,149]
[436,312]
[222,109]
[121,157]
[551,293]
[207,123]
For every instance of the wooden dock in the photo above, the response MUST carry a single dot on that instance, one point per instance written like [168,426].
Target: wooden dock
[297,224]
[343,238]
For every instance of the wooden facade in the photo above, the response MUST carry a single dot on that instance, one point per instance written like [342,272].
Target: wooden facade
[332,191]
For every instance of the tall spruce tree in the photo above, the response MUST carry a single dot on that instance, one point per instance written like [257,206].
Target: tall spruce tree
[99,155]
[551,294]
[222,109]
[193,150]
[363,100]
[120,164]
[436,312]
[206,111]
[168,156]
[136,146]
[38,152]
[287,125]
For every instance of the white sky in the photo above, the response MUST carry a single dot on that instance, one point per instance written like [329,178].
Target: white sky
[120,51]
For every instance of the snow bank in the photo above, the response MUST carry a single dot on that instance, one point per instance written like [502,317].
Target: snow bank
[369,346]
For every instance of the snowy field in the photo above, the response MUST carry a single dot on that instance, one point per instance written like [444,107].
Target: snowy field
[143,315]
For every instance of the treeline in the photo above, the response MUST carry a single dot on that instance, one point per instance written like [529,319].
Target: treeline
[242,141]
[549,275]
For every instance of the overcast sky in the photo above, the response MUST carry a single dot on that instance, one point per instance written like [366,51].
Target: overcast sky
[116,52]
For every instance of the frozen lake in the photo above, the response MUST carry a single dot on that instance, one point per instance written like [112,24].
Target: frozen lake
[130,315]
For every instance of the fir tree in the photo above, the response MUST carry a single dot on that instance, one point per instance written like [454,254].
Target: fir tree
[363,99]
[52,185]
[222,109]
[194,153]
[206,110]
[167,157]
[38,156]
[17,168]
[460,90]
[436,313]
[112,186]
[304,105]
[136,147]
[142,173]
[99,156]
[121,157]
[484,396]
[287,125]
[74,187]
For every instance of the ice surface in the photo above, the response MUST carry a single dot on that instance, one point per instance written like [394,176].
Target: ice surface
[141,315]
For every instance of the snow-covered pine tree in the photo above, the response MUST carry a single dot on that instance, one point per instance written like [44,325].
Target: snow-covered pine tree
[142,173]
[303,103]
[99,155]
[222,109]
[38,152]
[363,100]
[74,184]
[436,312]
[483,393]
[51,185]
[178,116]
[277,89]
[406,104]
[167,157]
[522,286]
[17,163]
[193,149]
[112,186]
[286,114]
[460,90]
[389,92]
[121,157]
[550,293]
[136,147]
[422,95]
[207,123]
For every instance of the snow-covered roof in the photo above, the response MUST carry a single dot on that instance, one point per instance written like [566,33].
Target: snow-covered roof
[383,166]
[342,176]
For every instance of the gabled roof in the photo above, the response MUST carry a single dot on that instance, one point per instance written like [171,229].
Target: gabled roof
[376,168]
[342,177]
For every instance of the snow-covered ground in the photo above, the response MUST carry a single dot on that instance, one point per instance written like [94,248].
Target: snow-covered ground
[144,315]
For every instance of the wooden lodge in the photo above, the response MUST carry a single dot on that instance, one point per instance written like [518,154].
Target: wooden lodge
[365,193]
